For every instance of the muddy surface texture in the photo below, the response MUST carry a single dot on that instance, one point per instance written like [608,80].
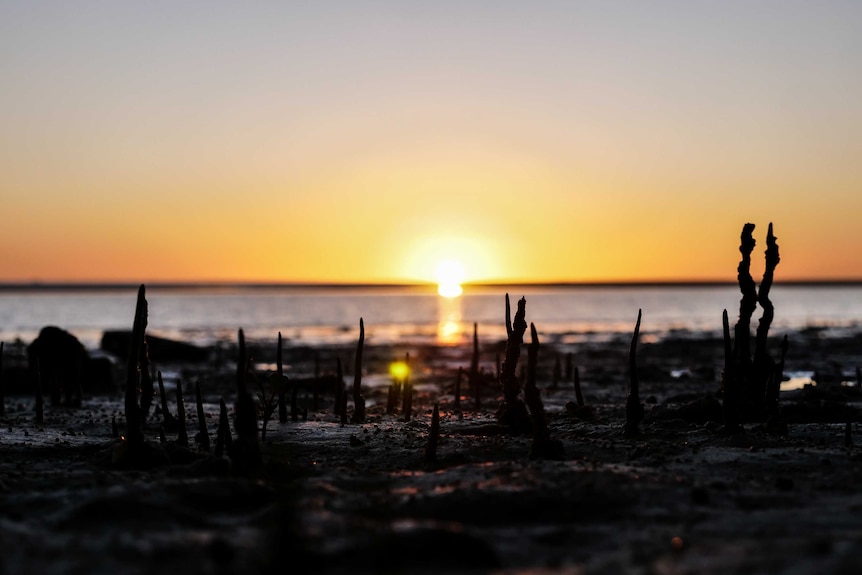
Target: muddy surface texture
[681,496]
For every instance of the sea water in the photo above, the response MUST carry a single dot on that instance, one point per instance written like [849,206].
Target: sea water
[321,315]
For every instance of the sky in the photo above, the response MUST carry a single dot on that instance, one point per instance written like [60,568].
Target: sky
[370,141]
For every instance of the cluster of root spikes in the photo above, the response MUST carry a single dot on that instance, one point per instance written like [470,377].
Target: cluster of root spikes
[133,450]
[750,384]
[750,387]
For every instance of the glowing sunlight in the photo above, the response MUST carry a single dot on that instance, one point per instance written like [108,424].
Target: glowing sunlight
[399,370]
[449,274]
[449,320]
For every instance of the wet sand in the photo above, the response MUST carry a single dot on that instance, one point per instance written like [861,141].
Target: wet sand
[682,497]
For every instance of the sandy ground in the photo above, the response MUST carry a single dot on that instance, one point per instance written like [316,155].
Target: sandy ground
[682,497]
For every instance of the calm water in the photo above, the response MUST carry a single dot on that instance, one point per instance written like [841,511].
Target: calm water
[320,315]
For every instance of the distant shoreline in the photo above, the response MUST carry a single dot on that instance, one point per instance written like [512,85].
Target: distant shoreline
[211,286]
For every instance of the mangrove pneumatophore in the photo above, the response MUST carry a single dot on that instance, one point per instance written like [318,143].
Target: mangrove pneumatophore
[134,417]
[577,408]
[358,400]
[513,413]
[169,422]
[134,451]
[224,440]
[634,407]
[282,394]
[543,447]
[245,453]
[474,379]
[147,389]
[749,384]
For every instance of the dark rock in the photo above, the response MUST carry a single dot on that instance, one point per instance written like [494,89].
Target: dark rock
[160,349]
[65,367]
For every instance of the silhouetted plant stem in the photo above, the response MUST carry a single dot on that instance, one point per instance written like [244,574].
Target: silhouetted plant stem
[147,391]
[182,433]
[509,319]
[748,303]
[764,366]
[169,422]
[772,259]
[134,422]
[282,394]
[543,446]
[730,385]
[474,361]
[513,412]
[203,434]
[433,439]
[246,454]
[634,407]
[579,397]
[241,363]
[753,379]
[391,395]
[358,400]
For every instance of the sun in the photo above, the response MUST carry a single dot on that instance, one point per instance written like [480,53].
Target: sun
[449,274]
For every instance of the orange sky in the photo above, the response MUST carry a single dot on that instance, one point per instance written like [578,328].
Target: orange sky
[542,142]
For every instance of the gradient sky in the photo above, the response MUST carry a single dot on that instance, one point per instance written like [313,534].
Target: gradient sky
[366,141]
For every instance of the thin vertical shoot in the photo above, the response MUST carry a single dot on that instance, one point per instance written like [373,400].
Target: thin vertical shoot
[358,400]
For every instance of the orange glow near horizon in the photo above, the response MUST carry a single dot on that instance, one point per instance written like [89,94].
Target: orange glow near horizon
[273,153]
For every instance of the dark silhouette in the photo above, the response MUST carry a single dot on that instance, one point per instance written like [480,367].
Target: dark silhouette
[543,447]
[358,400]
[66,368]
[116,342]
[513,413]
[634,407]
[750,385]
[245,453]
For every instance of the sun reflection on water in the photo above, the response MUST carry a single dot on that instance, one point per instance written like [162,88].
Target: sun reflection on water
[449,321]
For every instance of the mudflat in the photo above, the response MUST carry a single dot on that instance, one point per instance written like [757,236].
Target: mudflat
[682,495]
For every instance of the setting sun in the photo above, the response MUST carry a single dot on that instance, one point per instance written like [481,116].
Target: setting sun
[449,274]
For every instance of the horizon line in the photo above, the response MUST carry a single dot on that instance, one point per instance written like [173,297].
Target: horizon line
[228,284]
